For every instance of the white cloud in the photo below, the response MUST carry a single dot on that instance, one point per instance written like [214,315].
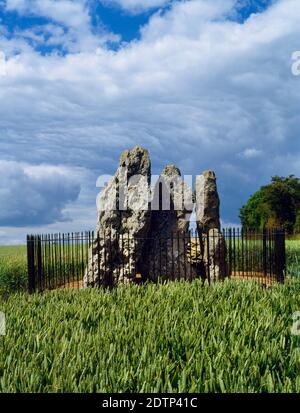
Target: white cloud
[251,153]
[71,13]
[2,64]
[197,89]
[188,19]
[71,25]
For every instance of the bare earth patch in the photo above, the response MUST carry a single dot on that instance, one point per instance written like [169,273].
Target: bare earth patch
[261,278]
[73,285]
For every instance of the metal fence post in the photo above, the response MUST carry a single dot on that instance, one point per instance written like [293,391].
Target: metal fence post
[31,264]
[208,258]
[230,252]
[98,259]
[264,252]
[39,262]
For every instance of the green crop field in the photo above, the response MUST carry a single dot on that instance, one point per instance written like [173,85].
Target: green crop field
[13,269]
[19,250]
[179,337]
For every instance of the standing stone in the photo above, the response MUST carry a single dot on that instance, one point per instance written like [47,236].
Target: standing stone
[215,255]
[123,222]
[166,251]
[212,243]
[207,202]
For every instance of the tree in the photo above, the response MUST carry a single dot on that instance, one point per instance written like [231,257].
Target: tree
[274,205]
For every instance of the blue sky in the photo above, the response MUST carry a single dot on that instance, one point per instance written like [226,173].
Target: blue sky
[206,84]
[124,22]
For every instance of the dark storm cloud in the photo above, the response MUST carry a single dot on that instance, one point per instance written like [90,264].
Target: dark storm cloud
[34,196]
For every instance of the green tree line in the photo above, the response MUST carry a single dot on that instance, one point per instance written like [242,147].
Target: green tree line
[274,205]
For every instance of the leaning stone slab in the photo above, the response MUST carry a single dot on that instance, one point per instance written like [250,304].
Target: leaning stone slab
[212,242]
[215,256]
[207,202]
[123,222]
[166,252]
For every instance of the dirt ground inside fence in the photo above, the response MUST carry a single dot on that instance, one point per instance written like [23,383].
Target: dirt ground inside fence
[74,285]
[264,280]
[261,278]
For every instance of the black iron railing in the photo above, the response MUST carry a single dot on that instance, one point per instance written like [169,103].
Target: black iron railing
[82,259]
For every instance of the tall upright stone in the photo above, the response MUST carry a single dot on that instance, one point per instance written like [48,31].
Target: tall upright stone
[207,202]
[166,250]
[123,222]
[214,256]
[212,243]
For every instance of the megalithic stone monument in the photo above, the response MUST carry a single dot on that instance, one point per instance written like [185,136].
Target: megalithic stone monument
[213,246]
[143,233]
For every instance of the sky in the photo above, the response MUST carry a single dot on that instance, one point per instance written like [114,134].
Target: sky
[204,84]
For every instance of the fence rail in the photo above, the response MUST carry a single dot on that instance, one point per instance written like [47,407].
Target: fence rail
[87,258]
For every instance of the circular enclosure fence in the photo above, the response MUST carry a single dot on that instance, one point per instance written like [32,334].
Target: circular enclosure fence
[91,259]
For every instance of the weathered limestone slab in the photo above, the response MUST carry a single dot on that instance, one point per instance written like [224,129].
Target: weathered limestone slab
[207,202]
[213,247]
[165,255]
[123,222]
[215,255]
